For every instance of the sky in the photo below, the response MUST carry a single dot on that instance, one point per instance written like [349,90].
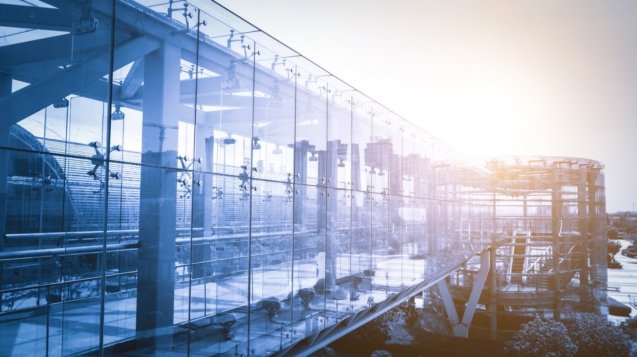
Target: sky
[490,78]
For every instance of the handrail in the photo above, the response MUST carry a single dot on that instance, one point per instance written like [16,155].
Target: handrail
[539,258]
[48,252]
[81,233]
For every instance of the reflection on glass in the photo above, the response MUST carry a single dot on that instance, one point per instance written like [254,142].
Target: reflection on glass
[207,190]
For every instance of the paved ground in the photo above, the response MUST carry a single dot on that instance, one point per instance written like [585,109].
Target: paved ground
[73,327]
[622,283]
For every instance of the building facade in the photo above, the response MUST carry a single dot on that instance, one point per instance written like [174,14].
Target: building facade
[172,179]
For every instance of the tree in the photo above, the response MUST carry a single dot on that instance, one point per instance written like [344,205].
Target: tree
[613,249]
[612,233]
[541,337]
[595,336]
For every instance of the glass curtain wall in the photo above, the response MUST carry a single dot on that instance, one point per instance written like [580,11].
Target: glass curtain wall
[174,179]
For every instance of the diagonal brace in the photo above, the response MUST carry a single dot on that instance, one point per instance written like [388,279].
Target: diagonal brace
[461,328]
[29,100]
[33,17]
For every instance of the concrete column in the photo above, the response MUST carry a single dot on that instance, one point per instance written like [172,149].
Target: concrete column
[202,198]
[5,89]
[157,213]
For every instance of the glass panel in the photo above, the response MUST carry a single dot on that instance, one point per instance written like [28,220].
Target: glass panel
[53,177]
[271,202]
[361,190]
[311,126]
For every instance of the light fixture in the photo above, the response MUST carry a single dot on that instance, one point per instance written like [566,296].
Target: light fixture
[313,157]
[255,143]
[118,114]
[62,103]
[277,150]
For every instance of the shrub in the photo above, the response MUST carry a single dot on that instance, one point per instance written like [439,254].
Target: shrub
[595,336]
[614,248]
[541,337]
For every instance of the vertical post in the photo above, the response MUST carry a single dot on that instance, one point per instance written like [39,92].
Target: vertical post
[202,198]
[300,179]
[598,243]
[5,90]
[331,171]
[395,175]
[157,218]
[583,253]
[356,177]
[444,205]
[493,291]
[433,206]
[556,206]
[529,235]
[321,188]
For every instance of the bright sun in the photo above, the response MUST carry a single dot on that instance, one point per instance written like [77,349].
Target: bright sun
[481,114]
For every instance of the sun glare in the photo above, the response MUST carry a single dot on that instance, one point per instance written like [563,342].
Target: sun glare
[480,115]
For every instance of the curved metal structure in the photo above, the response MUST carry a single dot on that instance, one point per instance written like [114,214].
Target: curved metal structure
[550,258]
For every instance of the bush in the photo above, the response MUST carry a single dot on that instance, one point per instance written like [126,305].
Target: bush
[595,336]
[614,248]
[541,337]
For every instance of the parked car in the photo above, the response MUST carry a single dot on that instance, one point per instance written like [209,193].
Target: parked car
[630,251]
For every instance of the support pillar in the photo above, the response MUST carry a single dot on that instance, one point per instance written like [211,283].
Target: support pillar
[461,328]
[583,261]
[433,208]
[202,199]
[356,181]
[493,295]
[598,242]
[321,219]
[331,171]
[158,193]
[556,206]
[525,211]
[5,89]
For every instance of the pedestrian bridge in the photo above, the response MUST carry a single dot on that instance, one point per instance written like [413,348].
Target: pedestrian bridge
[175,180]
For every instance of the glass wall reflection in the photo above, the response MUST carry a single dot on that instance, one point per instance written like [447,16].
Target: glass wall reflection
[174,180]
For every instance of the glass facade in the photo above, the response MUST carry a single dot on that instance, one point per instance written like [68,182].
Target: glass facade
[172,179]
